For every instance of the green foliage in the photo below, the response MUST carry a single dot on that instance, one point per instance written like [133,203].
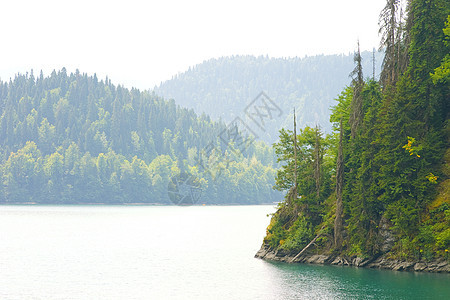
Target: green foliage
[342,109]
[275,234]
[70,138]
[396,173]
[299,235]
[313,151]
[443,239]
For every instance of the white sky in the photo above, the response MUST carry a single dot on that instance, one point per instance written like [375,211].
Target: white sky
[141,43]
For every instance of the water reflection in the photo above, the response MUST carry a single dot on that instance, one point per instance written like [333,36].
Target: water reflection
[304,281]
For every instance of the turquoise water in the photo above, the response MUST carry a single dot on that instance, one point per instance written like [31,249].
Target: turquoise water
[336,282]
[167,252]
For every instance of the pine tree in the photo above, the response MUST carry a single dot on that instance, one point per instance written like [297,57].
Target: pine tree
[415,110]
[356,113]
[389,30]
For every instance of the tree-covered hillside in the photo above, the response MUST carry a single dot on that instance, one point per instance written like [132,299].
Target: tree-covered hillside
[223,87]
[72,138]
[380,185]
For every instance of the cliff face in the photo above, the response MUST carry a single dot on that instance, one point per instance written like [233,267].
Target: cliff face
[381,262]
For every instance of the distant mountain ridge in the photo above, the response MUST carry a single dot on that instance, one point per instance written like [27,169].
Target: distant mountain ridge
[223,87]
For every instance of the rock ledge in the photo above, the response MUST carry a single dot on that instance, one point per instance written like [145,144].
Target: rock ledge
[436,266]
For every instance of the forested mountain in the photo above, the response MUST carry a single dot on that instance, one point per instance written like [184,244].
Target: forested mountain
[72,138]
[223,87]
[380,185]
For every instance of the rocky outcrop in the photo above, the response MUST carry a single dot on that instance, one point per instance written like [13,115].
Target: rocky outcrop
[386,235]
[382,262]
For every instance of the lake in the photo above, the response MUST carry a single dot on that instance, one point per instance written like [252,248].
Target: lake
[172,252]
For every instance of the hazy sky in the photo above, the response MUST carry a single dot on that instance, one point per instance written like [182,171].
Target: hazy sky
[141,43]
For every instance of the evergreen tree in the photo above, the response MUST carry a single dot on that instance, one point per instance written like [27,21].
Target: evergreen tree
[389,21]
[390,154]
[356,115]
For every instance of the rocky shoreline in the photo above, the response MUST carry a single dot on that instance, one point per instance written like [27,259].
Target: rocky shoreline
[382,262]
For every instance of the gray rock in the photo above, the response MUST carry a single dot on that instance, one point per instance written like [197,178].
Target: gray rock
[419,267]
[337,261]
[387,236]
[382,262]
[360,262]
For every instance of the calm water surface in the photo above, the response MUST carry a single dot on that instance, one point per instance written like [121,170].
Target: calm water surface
[165,252]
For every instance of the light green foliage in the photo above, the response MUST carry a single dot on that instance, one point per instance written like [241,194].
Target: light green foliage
[299,235]
[342,109]
[301,214]
[70,138]
[442,73]
[275,233]
[46,136]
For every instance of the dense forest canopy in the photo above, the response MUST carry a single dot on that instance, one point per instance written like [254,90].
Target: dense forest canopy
[380,184]
[223,87]
[72,138]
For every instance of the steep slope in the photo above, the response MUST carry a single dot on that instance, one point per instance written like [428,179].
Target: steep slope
[386,204]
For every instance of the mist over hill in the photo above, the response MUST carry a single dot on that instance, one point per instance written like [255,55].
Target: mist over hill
[224,87]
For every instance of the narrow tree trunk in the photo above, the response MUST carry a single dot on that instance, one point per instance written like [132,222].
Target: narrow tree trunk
[310,243]
[373,64]
[339,184]
[356,111]
[295,158]
[317,162]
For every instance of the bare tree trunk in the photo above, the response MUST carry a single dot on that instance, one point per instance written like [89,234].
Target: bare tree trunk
[310,243]
[356,110]
[317,162]
[373,64]
[339,185]
[295,157]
